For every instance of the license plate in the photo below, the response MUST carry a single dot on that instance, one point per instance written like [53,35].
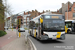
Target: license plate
[54,38]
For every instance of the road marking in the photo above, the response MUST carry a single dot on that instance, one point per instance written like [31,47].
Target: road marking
[8,37]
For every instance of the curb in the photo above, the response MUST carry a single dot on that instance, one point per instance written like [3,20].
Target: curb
[32,44]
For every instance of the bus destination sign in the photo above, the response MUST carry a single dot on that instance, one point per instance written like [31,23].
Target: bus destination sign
[56,17]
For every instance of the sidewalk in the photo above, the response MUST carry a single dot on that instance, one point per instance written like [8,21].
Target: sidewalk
[17,44]
[9,37]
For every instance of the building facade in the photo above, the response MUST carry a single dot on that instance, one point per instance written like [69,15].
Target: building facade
[8,23]
[26,18]
[14,19]
[70,15]
[30,15]
[65,7]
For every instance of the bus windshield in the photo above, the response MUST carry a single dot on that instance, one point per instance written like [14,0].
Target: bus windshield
[54,24]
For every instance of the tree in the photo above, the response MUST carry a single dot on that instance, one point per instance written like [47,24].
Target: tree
[1,15]
[8,9]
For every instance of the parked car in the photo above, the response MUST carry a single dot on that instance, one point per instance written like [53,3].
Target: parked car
[21,30]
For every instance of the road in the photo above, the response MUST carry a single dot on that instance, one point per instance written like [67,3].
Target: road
[67,44]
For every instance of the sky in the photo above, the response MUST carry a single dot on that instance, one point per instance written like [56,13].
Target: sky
[40,5]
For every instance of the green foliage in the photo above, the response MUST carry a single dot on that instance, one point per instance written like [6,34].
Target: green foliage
[1,16]
[2,33]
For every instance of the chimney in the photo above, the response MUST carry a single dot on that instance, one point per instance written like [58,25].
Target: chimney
[62,4]
[57,11]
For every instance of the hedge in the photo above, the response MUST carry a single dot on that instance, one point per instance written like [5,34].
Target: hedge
[2,33]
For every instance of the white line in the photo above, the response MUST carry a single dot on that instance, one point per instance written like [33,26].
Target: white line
[8,37]
[32,44]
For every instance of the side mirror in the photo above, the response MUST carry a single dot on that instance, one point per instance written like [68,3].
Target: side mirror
[41,20]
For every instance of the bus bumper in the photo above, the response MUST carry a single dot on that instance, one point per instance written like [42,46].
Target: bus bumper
[47,38]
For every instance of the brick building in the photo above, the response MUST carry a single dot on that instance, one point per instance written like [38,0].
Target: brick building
[26,18]
[30,15]
[56,13]
[70,15]
[33,14]
[65,7]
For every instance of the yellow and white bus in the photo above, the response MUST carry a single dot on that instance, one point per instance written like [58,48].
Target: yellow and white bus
[70,26]
[48,27]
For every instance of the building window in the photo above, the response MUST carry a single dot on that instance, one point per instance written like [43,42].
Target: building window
[74,8]
[27,18]
[24,17]
[15,20]
[73,14]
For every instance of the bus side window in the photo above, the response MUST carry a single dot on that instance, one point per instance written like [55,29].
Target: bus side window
[34,27]
[67,25]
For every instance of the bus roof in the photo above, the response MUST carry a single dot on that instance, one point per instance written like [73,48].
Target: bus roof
[73,21]
[68,20]
[47,13]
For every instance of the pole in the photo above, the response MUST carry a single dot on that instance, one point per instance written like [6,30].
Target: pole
[67,11]
[12,28]
[19,34]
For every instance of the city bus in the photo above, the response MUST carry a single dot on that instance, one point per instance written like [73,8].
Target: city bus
[48,27]
[70,25]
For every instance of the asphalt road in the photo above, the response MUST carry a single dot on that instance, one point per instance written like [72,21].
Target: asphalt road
[67,44]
